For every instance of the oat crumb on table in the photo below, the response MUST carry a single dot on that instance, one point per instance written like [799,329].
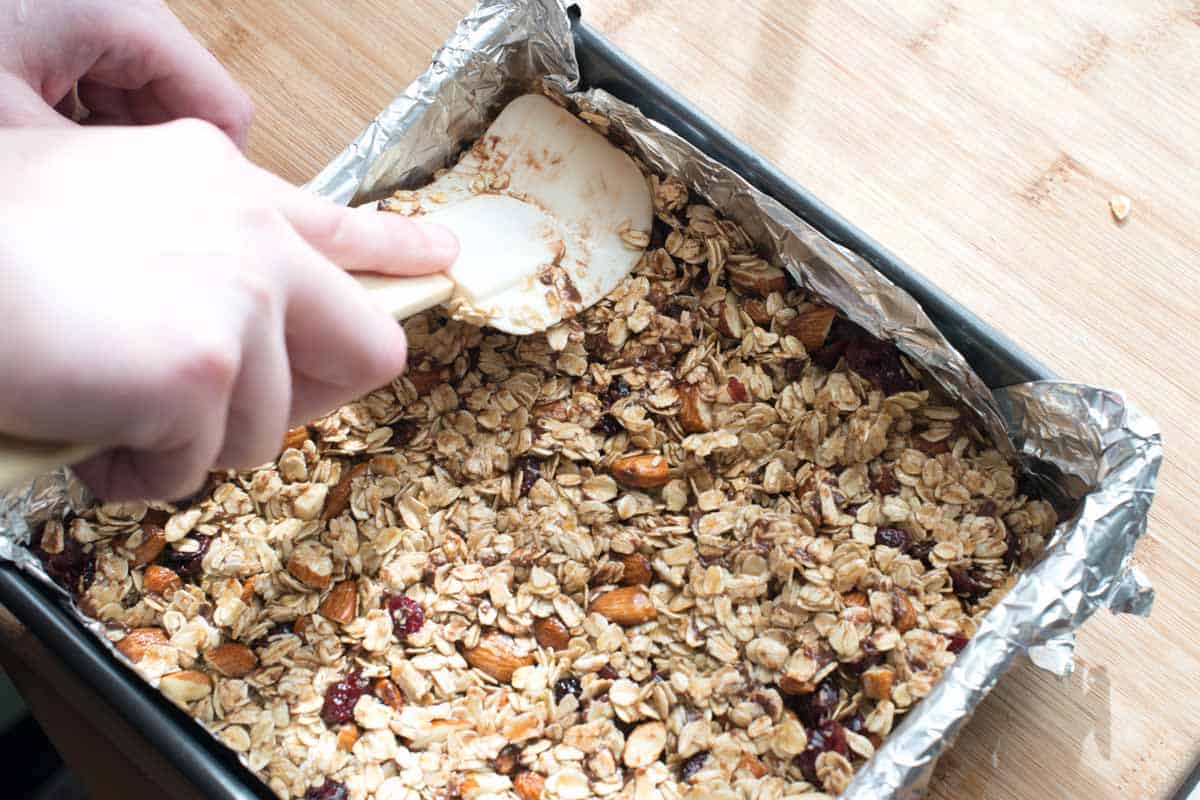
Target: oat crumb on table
[706,539]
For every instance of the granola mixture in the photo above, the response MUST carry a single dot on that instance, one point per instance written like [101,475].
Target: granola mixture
[705,539]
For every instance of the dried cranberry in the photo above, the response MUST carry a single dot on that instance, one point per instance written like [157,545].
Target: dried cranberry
[987,509]
[737,391]
[894,537]
[188,564]
[693,765]
[74,568]
[921,551]
[530,470]
[329,790]
[967,583]
[817,706]
[403,432]
[608,425]
[957,643]
[408,616]
[624,727]
[608,673]
[870,658]
[618,388]
[829,736]
[807,761]
[340,698]
[566,686]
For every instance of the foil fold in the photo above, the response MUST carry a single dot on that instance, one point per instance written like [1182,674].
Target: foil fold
[1089,448]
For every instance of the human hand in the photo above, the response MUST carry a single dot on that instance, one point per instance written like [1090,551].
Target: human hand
[135,63]
[165,299]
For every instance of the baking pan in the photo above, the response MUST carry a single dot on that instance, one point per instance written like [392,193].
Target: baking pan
[215,771]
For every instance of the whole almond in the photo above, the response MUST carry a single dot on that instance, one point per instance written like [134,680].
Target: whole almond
[295,438]
[757,277]
[551,633]
[338,499]
[637,570]
[153,540]
[629,605]
[529,785]
[139,640]
[341,604]
[347,736]
[645,744]
[811,327]
[388,693]
[695,414]
[232,659]
[646,471]
[877,682]
[497,655]
[185,686]
[904,615]
[160,580]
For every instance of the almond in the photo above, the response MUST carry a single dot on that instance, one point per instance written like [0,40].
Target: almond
[341,604]
[529,785]
[160,580]
[811,327]
[645,744]
[752,765]
[729,320]
[756,310]
[877,683]
[153,540]
[185,686]
[904,615]
[854,599]
[646,471]
[388,693]
[497,655]
[139,640]
[311,566]
[295,438]
[426,380]
[551,633]
[695,414]
[757,277]
[630,605]
[339,496]
[232,659]
[347,736]
[301,624]
[637,570]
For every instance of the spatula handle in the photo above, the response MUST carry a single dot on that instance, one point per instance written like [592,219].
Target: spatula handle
[22,460]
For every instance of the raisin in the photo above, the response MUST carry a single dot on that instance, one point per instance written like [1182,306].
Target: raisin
[794,369]
[508,759]
[408,616]
[886,483]
[340,698]
[737,391]
[188,564]
[566,686]
[403,432]
[921,551]
[618,388]
[817,706]
[608,425]
[693,765]
[1012,549]
[894,537]
[967,583]
[329,790]
[870,658]
[987,509]
[608,673]
[530,470]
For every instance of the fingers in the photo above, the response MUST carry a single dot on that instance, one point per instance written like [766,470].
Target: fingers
[22,107]
[169,75]
[363,239]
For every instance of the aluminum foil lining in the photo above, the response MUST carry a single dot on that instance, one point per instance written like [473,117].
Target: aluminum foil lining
[1087,447]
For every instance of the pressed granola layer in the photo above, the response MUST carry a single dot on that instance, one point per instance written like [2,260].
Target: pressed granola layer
[704,540]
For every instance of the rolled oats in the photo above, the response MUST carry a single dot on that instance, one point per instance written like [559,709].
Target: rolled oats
[705,539]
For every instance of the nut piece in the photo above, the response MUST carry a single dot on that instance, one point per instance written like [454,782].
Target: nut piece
[630,605]
[160,580]
[551,633]
[295,438]
[1121,206]
[637,570]
[529,785]
[752,765]
[139,640]
[154,539]
[757,277]
[854,599]
[811,327]
[695,415]
[729,321]
[877,683]
[904,615]
[388,692]
[497,655]
[232,659]
[646,471]
[341,604]
[347,736]
[186,686]
[301,624]
[339,496]
[312,566]
[645,744]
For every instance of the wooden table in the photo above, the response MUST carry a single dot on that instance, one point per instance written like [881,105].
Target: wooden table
[980,141]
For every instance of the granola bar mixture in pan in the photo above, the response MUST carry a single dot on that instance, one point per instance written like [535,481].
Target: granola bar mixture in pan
[706,539]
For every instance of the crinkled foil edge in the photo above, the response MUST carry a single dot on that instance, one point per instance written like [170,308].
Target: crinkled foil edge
[1084,443]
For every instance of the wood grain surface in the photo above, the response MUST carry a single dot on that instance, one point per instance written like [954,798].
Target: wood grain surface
[978,140]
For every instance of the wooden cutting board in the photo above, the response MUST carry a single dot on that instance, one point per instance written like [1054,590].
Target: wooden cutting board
[980,141]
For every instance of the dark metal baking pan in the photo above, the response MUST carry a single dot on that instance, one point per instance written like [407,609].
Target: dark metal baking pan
[214,770]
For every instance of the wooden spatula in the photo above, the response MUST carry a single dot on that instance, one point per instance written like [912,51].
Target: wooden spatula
[547,214]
